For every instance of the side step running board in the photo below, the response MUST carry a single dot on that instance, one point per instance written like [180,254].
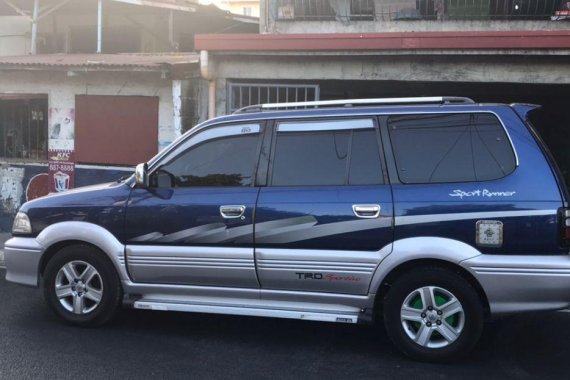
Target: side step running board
[250,311]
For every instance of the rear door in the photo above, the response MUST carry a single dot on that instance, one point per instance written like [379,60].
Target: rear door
[327,210]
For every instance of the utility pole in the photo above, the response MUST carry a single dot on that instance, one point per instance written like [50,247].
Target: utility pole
[35,12]
[99,26]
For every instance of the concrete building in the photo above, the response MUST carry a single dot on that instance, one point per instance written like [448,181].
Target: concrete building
[73,120]
[490,50]
[239,7]
[110,26]
[107,88]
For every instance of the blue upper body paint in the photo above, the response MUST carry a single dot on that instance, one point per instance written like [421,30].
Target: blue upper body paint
[526,202]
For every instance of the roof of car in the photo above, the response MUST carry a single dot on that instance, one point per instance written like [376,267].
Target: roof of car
[349,111]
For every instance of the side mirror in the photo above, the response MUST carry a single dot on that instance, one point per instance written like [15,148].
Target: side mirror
[141,175]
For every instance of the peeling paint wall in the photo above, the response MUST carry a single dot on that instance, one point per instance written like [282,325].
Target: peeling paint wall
[11,189]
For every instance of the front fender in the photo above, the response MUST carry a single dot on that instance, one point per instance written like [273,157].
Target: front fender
[422,248]
[89,233]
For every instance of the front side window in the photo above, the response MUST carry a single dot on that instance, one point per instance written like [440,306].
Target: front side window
[327,153]
[444,148]
[221,161]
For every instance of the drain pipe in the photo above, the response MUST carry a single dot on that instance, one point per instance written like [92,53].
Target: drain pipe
[206,72]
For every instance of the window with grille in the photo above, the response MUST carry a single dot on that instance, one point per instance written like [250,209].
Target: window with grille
[341,10]
[247,94]
[24,127]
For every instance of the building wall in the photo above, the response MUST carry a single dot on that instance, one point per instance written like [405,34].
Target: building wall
[283,27]
[14,35]
[237,6]
[385,12]
[437,67]
[152,29]
[61,88]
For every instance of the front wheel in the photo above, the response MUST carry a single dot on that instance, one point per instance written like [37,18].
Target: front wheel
[433,314]
[82,286]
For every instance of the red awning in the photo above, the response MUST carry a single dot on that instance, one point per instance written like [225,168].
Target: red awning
[385,41]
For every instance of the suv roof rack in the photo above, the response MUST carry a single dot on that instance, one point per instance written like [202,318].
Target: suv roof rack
[358,102]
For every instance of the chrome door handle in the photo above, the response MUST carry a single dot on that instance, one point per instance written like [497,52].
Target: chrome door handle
[366,211]
[232,211]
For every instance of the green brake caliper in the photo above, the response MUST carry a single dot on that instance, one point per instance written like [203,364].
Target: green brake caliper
[440,299]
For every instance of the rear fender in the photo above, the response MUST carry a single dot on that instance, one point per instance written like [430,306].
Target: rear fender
[422,248]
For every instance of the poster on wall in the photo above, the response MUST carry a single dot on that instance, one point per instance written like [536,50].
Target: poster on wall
[61,171]
[61,129]
[61,147]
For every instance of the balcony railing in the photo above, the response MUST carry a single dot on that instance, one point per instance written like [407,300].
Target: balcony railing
[388,10]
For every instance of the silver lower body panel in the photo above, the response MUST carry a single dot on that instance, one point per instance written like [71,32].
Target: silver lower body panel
[522,283]
[328,307]
[259,310]
[22,258]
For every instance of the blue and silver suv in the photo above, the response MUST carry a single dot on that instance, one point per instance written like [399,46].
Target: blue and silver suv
[432,214]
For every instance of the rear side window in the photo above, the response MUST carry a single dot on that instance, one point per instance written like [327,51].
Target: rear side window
[444,148]
[327,154]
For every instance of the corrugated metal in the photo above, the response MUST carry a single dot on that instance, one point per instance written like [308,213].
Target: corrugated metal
[102,61]
[179,5]
[115,130]
[385,41]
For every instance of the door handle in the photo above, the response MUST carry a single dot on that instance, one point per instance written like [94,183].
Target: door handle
[366,211]
[232,211]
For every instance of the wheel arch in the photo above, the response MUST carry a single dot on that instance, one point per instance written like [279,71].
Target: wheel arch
[402,268]
[60,235]
[51,251]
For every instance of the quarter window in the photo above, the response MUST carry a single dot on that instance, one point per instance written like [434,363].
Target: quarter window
[307,154]
[226,161]
[450,148]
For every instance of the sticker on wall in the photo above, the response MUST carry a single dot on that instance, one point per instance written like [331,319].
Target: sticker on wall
[61,129]
[61,171]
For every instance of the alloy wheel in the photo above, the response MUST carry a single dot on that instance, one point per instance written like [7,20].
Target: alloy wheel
[432,317]
[79,287]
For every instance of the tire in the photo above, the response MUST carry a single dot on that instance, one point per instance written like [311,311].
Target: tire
[81,286]
[433,314]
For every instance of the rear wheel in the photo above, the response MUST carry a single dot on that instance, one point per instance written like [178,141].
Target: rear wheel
[82,286]
[433,314]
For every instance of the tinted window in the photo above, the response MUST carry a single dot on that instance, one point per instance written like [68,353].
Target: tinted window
[450,148]
[310,158]
[227,161]
[365,168]
[327,158]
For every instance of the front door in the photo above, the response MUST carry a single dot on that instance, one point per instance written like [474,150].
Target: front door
[194,223]
[327,211]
